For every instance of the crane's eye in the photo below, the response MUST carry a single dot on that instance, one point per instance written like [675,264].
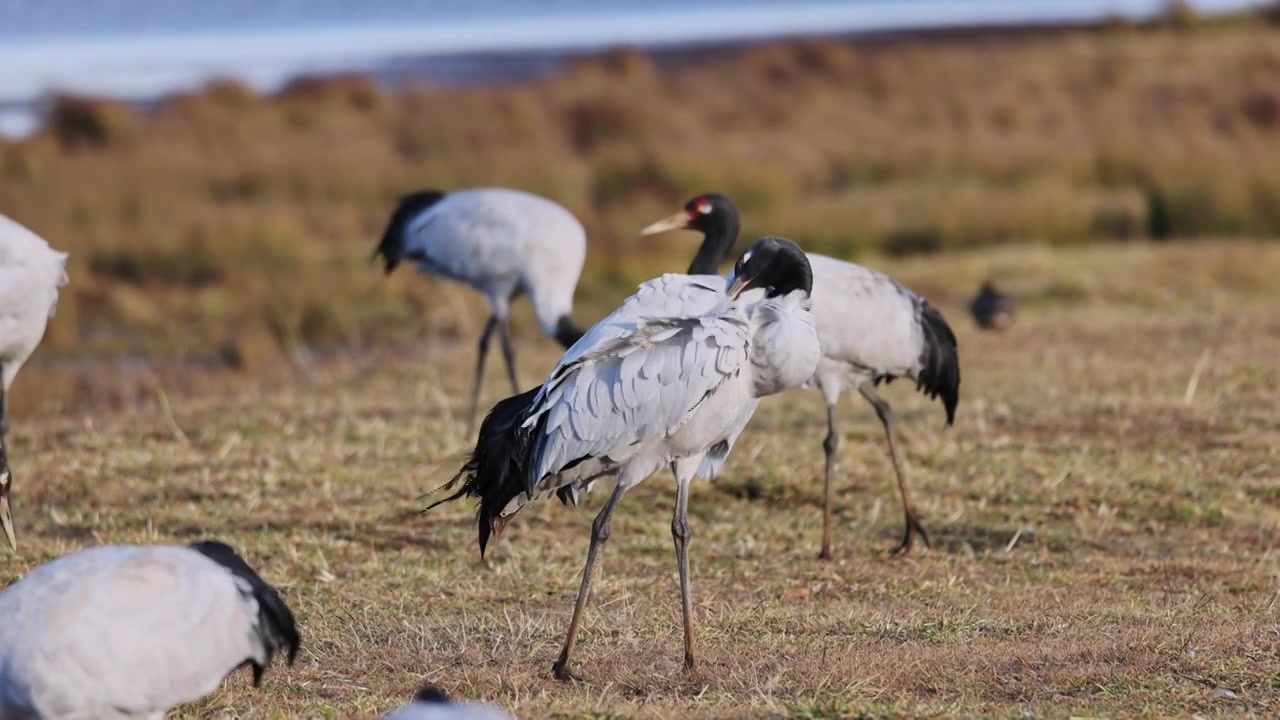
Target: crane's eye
[704,207]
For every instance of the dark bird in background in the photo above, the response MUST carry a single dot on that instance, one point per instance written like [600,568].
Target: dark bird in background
[992,309]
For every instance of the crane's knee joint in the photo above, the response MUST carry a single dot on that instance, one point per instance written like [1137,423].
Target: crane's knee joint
[600,530]
[680,530]
[831,443]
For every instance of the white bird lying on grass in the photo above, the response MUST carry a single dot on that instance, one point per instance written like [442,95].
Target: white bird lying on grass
[671,378]
[30,274]
[126,631]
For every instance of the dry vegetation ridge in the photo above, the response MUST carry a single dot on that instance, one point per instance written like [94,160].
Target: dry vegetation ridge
[226,361]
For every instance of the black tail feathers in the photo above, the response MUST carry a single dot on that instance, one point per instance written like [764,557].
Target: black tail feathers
[276,625]
[391,247]
[497,469]
[939,361]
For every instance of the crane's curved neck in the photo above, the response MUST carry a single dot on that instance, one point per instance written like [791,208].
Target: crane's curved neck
[720,232]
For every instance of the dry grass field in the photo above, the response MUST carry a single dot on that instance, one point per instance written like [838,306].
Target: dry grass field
[1105,533]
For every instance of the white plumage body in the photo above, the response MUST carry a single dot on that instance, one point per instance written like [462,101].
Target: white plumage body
[30,274]
[503,242]
[675,373]
[872,330]
[123,632]
[868,325]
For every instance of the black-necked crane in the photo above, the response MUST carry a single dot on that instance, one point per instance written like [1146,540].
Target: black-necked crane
[872,330]
[992,309]
[501,242]
[668,379]
[432,703]
[30,274]
[128,631]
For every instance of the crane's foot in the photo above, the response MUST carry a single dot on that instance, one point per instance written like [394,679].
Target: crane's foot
[825,553]
[562,672]
[914,529]
[689,665]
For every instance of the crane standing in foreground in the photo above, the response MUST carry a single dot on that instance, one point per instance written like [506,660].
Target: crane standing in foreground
[502,243]
[871,328]
[670,378]
[30,274]
[123,631]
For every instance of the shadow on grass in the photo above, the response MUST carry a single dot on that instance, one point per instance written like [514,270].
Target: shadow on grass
[391,533]
[981,539]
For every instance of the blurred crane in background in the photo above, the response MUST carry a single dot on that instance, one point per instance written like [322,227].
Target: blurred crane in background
[502,243]
[30,274]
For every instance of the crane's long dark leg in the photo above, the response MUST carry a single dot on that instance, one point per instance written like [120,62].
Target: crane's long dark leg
[4,424]
[6,476]
[509,354]
[885,413]
[4,405]
[599,535]
[829,446]
[680,535]
[484,353]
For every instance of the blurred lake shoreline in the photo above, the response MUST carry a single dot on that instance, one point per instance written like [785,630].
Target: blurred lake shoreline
[149,68]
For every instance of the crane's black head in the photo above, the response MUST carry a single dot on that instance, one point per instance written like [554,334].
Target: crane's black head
[432,695]
[773,263]
[716,217]
[276,627]
[391,247]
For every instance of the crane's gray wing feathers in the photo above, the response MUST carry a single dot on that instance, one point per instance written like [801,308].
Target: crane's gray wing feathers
[637,387]
[637,376]
[671,295]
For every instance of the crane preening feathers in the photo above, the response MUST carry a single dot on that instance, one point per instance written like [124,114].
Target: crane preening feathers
[30,274]
[123,631]
[670,378]
[872,330]
[502,243]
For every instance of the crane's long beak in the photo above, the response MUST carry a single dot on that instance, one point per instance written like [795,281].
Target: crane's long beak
[6,517]
[739,284]
[675,222]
